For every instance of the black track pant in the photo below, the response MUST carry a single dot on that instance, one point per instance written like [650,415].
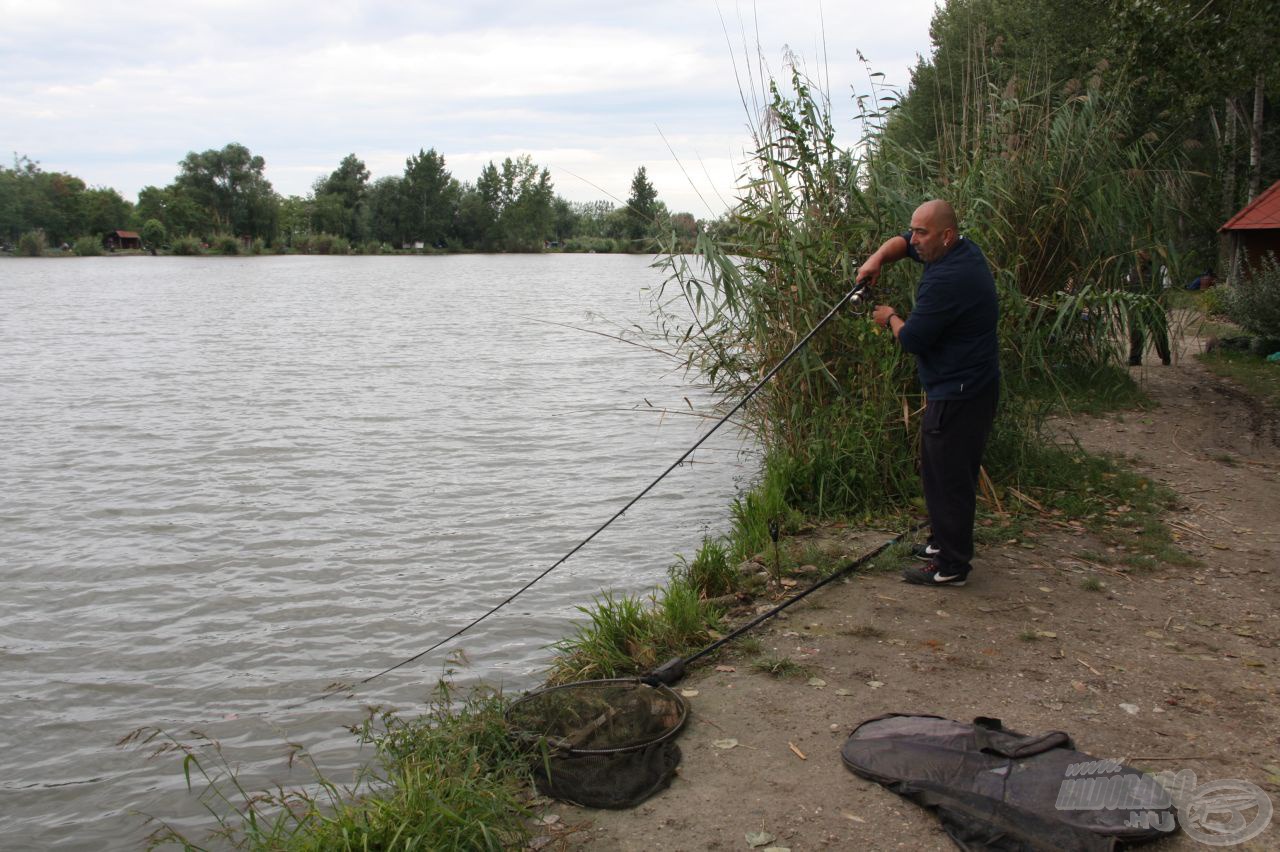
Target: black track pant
[952,438]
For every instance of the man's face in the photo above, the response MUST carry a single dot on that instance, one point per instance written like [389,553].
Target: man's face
[930,241]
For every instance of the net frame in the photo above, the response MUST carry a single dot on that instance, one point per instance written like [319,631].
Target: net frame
[540,695]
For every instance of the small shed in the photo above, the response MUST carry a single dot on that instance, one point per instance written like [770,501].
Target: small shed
[122,240]
[1255,230]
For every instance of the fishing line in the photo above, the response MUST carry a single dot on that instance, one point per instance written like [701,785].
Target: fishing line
[853,295]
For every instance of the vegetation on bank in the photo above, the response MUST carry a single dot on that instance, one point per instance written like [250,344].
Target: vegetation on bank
[1059,175]
[222,199]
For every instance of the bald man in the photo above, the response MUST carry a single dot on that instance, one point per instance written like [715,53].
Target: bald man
[952,332]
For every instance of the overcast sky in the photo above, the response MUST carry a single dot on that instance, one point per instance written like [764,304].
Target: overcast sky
[118,92]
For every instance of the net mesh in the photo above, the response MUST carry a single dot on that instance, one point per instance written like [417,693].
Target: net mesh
[600,744]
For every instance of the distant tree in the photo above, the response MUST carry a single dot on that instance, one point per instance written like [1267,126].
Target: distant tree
[385,207]
[642,206]
[103,210]
[175,209]
[590,216]
[430,198]
[481,208]
[330,216]
[231,185]
[350,181]
[526,193]
[684,227]
[153,234]
[349,184]
[294,223]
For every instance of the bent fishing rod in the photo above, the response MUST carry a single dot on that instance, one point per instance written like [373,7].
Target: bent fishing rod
[855,295]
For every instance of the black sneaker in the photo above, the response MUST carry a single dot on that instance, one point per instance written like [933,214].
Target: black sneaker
[925,551]
[934,574]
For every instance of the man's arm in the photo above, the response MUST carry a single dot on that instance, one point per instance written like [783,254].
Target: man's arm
[894,249]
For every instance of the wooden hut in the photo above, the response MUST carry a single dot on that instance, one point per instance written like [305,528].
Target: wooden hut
[122,240]
[1254,231]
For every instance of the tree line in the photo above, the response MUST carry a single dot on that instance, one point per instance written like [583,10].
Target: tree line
[224,195]
[1197,80]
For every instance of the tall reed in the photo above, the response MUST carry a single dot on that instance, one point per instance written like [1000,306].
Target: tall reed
[1045,182]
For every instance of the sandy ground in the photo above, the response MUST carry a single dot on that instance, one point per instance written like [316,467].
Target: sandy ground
[1193,650]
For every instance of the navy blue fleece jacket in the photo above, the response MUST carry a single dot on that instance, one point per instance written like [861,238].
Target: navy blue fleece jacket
[952,328]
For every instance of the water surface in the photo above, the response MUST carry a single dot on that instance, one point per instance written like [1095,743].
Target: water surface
[228,483]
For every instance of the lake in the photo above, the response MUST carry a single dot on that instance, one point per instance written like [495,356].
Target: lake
[227,483]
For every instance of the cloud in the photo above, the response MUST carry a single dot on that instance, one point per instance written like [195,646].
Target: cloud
[117,93]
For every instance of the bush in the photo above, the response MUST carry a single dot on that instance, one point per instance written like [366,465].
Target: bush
[32,244]
[153,233]
[601,245]
[1253,302]
[187,246]
[226,244]
[1214,301]
[340,246]
[319,244]
[86,247]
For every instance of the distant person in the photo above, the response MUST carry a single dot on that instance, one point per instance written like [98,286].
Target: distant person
[1140,280]
[952,331]
[1203,281]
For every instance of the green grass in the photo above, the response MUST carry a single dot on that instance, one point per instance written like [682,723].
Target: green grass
[780,667]
[1259,377]
[1092,584]
[710,573]
[451,780]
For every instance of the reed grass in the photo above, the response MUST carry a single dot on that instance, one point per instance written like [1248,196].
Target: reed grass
[451,779]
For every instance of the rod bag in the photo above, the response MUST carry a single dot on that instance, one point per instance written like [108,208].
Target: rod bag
[995,789]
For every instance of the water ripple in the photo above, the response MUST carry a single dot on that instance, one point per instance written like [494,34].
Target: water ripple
[229,483]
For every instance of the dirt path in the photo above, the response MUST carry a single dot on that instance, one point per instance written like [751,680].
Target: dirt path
[1193,650]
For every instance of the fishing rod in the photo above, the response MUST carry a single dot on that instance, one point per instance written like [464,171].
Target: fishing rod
[673,670]
[855,295]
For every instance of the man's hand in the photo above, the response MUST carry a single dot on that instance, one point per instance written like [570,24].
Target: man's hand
[869,272]
[882,313]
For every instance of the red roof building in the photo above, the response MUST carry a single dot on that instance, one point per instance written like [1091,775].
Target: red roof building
[1255,230]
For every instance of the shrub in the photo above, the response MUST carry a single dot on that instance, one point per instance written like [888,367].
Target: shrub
[153,233]
[1254,301]
[32,244]
[1214,301]
[340,246]
[226,244]
[601,245]
[86,247]
[319,244]
[187,245]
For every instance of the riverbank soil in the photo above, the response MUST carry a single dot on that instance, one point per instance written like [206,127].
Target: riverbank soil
[1170,668]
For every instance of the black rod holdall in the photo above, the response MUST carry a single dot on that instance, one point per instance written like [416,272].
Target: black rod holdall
[995,789]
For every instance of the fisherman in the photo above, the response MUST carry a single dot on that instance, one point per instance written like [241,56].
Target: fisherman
[952,332]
